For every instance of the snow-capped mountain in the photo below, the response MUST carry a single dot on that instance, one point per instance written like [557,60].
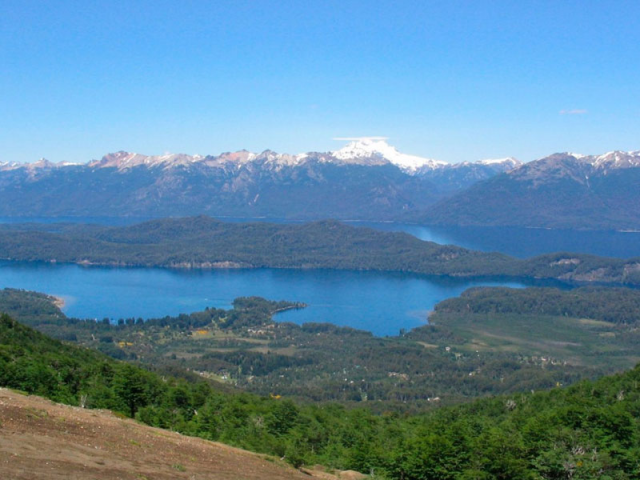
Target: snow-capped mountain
[615,159]
[123,160]
[610,160]
[376,150]
[509,161]
[367,179]
[564,190]
[363,151]
[576,166]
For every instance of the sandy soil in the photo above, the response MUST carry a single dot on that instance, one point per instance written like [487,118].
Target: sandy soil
[58,301]
[40,439]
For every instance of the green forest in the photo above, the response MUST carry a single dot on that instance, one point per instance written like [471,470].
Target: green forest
[459,356]
[589,430]
[202,242]
[501,384]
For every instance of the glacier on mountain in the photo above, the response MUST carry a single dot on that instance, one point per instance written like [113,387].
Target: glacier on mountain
[363,148]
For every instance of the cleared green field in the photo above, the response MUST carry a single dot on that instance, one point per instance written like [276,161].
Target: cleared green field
[554,339]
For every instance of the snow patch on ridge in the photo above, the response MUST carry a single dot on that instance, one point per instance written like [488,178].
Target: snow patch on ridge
[500,161]
[617,159]
[366,151]
[125,160]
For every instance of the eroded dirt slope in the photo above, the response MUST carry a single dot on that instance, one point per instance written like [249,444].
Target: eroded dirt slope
[40,439]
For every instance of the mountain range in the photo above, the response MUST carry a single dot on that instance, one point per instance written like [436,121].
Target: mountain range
[368,179]
[564,190]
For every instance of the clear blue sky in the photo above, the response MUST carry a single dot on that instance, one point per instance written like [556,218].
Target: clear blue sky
[452,80]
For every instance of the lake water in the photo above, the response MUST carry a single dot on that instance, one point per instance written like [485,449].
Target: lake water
[379,302]
[382,303]
[523,242]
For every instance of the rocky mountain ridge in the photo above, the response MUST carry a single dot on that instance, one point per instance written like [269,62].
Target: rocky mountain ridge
[368,151]
[564,190]
[365,180]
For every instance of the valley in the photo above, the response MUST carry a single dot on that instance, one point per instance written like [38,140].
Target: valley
[490,367]
[336,240]
[521,343]
[501,432]
[389,355]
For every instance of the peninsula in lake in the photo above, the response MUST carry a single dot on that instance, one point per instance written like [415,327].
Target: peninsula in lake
[203,242]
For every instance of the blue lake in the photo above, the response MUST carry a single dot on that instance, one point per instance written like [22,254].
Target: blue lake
[379,302]
[523,242]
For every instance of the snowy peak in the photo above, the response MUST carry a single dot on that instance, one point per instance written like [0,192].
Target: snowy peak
[244,157]
[240,157]
[272,158]
[607,161]
[616,159]
[42,163]
[366,151]
[508,162]
[125,160]
[377,151]
[574,166]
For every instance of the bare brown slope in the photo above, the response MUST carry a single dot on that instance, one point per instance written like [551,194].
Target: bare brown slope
[40,439]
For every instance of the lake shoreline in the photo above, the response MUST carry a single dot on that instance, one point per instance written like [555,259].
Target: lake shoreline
[564,280]
[380,303]
[58,301]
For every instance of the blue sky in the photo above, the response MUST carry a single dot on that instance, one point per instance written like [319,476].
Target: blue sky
[452,80]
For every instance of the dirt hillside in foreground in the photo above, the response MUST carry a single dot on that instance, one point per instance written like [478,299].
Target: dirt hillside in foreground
[40,439]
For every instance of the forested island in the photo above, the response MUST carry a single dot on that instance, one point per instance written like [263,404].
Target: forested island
[202,242]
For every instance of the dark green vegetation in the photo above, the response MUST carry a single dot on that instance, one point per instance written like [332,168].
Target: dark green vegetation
[614,305]
[590,430]
[559,191]
[529,340]
[596,327]
[202,242]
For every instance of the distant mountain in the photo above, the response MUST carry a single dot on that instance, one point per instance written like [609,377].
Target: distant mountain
[367,179]
[565,190]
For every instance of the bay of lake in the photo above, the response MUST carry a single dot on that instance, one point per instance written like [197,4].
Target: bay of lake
[382,303]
